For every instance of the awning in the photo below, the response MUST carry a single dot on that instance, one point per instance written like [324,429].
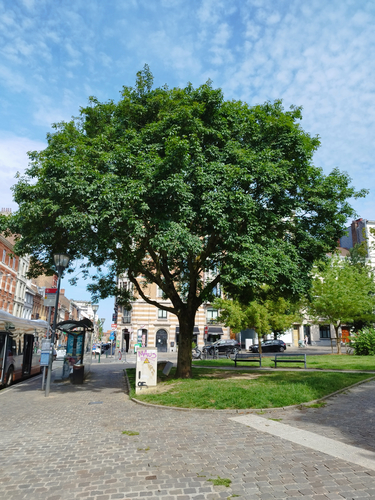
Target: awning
[195,332]
[70,325]
[215,330]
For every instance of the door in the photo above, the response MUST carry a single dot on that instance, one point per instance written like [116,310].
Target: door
[345,334]
[307,333]
[2,356]
[28,343]
[127,341]
[162,341]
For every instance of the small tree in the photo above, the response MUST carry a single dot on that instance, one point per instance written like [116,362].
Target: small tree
[272,315]
[342,293]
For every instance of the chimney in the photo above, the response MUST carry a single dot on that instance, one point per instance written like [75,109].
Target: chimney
[6,211]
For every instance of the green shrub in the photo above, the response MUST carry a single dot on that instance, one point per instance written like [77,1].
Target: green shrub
[364,342]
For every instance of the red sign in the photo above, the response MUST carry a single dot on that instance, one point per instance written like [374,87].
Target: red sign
[113,326]
[51,290]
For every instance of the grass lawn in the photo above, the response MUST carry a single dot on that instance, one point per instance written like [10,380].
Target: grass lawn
[220,389]
[325,362]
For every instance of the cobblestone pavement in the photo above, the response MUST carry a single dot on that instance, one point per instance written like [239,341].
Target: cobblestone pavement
[71,446]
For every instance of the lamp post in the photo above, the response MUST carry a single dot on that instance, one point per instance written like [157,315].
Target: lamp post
[61,263]
[95,308]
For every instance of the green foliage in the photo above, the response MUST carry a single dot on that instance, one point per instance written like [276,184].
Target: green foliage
[266,314]
[167,184]
[130,433]
[364,342]
[343,293]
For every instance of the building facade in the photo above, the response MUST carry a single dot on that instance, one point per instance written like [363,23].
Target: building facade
[150,326]
[9,264]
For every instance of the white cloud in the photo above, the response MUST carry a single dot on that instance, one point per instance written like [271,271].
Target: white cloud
[13,159]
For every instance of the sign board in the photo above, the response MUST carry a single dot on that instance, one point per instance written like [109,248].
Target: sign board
[114,326]
[46,352]
[146,370]
[112,336]
[49,297]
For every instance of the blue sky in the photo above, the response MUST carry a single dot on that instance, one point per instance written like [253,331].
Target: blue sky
[316,54]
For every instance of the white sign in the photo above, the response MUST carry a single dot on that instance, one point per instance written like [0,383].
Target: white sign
[146,369]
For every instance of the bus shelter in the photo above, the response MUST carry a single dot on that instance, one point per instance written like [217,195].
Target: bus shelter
[78,358]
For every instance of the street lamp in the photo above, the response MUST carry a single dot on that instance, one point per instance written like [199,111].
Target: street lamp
[95,307]
[61,262]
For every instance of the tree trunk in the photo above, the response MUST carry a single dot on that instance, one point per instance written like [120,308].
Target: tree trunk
[260,337]
[338,339]
[184,357]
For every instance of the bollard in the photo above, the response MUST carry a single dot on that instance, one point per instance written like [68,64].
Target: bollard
[99,357]
[106,354]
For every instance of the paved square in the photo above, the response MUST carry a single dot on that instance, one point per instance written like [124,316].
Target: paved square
[71,445]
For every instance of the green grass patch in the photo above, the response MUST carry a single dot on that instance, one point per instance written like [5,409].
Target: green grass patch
[130,433]
[322,361]
[220,481]
[220,389]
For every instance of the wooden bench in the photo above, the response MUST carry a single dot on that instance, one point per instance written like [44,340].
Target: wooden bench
[289,358]
[247,357]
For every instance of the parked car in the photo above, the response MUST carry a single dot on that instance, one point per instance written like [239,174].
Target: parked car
[100,348]
[269,346]
[60,352]
[222,346]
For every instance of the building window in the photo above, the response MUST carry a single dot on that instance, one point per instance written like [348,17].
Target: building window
[325,331]
[4,255]
[159,292]
[126,316]
[212,315]
[162,314]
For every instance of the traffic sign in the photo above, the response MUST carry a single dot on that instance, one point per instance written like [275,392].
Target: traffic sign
[114,326]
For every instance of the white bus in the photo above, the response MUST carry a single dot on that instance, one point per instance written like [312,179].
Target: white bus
[20,347]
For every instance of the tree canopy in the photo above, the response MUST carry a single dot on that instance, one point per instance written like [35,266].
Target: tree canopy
[342,292]
[265,315]
[170,184]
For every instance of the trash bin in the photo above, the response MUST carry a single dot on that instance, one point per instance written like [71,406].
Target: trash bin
[78,373]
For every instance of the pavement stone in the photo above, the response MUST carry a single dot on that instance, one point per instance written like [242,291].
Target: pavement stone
[70,446]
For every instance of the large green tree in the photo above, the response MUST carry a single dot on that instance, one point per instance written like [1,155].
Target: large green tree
[342,293]
[167,184]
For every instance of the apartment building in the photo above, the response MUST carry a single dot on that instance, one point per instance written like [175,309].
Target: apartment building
[9,264]
[150,326]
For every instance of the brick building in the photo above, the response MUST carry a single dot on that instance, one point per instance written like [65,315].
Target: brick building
[8,275]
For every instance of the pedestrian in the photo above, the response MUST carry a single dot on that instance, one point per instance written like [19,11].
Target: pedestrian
[306,340]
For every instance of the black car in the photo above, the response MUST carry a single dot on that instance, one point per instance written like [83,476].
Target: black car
[269,346]
[222,347]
